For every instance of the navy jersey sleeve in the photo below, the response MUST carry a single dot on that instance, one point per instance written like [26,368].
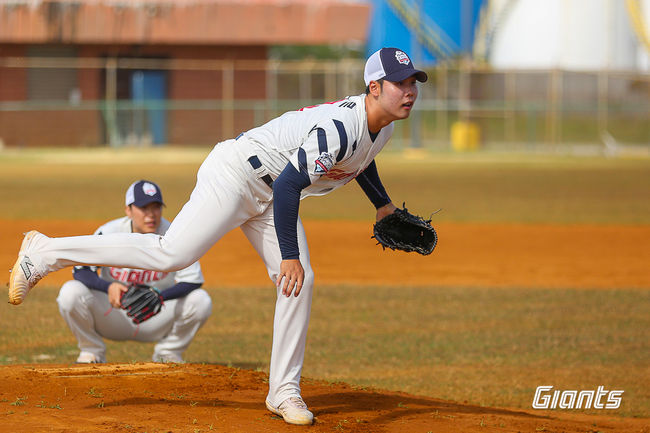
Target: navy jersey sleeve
[286,202]
[326,144]
[179,290]
[90,279]
[372,186]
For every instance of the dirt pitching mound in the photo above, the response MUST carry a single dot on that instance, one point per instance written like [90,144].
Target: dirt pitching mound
[196,398]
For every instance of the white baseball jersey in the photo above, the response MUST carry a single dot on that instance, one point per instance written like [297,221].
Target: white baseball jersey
[330,140]
[159,280]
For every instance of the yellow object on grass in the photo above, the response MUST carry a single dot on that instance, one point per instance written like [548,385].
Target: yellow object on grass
[465,136]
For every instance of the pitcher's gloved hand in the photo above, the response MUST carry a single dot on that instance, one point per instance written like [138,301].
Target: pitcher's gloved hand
[404,231]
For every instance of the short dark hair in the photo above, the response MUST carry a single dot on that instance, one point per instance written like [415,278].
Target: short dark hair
[381,85]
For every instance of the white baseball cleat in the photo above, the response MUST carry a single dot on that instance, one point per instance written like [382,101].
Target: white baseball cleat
[24,274]
[293,410]
[89,358]
[167,358]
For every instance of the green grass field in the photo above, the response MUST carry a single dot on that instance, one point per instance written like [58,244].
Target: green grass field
[473,187]
[487,346]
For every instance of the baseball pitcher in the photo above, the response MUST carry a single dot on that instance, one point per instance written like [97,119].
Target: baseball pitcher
[256,182]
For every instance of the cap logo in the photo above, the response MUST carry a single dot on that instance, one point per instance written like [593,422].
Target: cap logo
[402,57]
[149,189]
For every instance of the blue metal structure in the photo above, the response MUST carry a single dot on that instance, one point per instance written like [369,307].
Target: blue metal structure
[148,89]
[430,30]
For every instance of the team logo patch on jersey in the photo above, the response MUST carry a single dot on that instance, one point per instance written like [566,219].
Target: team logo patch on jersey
[149,189]
[324,163]
[402,57]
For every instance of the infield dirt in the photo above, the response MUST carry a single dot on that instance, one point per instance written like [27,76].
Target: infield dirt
[200,398]
[467,255]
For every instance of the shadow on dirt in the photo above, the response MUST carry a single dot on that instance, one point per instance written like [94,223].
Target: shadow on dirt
[388,408]
[392,407]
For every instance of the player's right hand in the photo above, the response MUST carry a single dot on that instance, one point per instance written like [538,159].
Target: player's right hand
[115,291]
[291,276]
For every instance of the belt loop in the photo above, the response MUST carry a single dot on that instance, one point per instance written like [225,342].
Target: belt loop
[255,162]
[268,180]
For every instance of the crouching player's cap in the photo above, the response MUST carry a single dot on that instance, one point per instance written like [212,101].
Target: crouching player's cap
[143,192]
[391,64]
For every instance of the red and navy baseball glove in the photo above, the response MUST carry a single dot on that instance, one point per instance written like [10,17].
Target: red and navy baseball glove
[141,302]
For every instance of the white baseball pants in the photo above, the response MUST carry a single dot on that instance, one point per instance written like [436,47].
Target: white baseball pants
[91,318]
[229,193]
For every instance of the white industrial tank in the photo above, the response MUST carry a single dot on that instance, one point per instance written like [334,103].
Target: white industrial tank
[564,34]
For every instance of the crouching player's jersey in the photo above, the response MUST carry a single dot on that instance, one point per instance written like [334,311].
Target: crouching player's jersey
[159,280]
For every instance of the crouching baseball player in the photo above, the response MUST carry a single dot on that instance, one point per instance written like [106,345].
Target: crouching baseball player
[256,182]
[93,306]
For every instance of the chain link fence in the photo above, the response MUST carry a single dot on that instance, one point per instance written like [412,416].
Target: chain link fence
[74,101]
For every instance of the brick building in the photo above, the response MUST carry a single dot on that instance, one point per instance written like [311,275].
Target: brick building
[71,70]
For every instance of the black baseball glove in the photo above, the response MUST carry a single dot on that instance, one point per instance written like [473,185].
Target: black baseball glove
[141,302]
[404,231]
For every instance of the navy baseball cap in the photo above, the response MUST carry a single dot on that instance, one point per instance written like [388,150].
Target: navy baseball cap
[391,64]
[143,192]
